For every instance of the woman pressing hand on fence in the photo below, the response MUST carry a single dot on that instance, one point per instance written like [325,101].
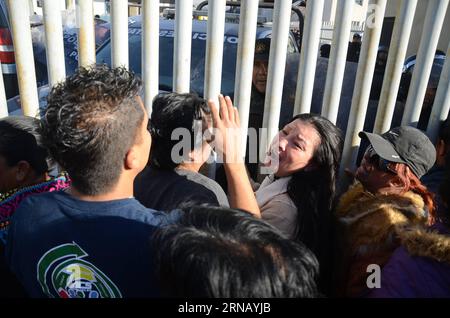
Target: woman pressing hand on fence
[297,198]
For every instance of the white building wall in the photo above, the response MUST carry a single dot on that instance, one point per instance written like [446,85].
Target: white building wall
[329,10]
[99,6]
[419,18]
[360,10]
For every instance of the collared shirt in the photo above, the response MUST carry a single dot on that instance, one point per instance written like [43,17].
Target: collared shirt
[276,206]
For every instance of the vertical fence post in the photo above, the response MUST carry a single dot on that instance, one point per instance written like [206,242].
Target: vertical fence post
[361,94]
[214,48]
[182,47]
[434,20]
[150,52]
[394,66]
[244,64]
[275,77]
[119,33]
[23,51]
[86,37]
[3,104]
[441,104]
[337,60]
[54,43]
[308,58]
[214,56]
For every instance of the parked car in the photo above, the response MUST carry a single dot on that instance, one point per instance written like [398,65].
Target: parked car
[70,40]
[265,12]
[166,47]
[7,57]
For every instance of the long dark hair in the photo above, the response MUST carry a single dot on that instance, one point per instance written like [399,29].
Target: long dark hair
[313,190]
[20,140]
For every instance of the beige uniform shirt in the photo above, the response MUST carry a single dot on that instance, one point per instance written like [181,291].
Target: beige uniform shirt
[276,206]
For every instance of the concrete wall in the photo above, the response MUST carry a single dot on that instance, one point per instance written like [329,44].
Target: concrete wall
[416,33]
[329,10]
[359,11]
[99,6]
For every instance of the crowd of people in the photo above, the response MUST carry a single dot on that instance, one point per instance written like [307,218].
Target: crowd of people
[98,200]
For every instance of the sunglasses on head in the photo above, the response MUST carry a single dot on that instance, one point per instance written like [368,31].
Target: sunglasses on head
[380,163]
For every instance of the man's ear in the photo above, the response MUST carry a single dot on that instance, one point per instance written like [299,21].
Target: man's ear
[23,169]
[132,160]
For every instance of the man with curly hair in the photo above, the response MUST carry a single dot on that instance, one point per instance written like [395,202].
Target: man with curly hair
[92,240]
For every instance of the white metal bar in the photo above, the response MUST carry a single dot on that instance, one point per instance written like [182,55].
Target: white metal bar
[338,57]
[119,33]
[275,77]
[214,56]
[434,20]
[56,65]
[244,64]
[214,49]
[441,104]
[3,104]
[361,94]
[23,51]
[86,37]
[308,58]
[394,67]
[30,7]
[150,52]
[182,47]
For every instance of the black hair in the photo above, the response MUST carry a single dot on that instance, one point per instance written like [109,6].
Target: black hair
[90,123]
[444,132]
[20,140]
[169,112]
[444,192]
[313,191]
[325,50]
[221,252]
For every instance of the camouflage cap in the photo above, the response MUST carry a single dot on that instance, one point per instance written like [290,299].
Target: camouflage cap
[262,49]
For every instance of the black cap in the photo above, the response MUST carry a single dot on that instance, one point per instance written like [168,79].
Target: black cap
[406,145]
[262,49]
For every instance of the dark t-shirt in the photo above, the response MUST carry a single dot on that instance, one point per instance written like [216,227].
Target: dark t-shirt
[166,190]
[59,246]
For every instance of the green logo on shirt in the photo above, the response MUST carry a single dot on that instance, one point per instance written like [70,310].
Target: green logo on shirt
[63,272]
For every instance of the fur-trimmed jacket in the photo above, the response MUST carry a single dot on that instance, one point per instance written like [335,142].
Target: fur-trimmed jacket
[420,267]
[369,228]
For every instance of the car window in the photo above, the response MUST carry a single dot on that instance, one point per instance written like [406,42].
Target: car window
[166,45]
[70,41]
[438,64]
[3,19]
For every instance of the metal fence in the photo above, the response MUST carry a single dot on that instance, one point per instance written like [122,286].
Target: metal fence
[19,19]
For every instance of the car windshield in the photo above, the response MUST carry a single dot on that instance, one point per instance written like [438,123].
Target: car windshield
[70,40]
[166,48]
